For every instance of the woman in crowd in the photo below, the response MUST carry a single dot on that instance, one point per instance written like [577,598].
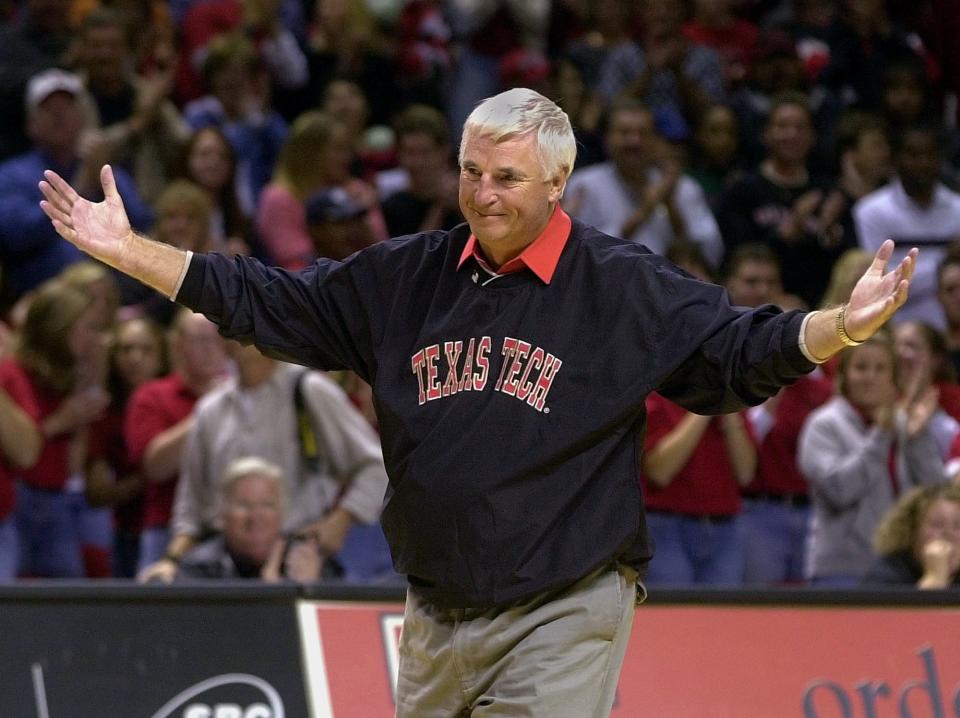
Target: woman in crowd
[137,354]
[45,377]
[316,157]
[859,452]
[918,541]
[210,163]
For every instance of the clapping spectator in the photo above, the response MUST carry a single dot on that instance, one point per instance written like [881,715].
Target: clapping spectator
[916,207]
[136,126]
[948,294]
[30,249]
[641,193]
[239,102]
[137,354]
[715,162]
[673,76]
[45,377]
[859,452]
[209,161]
[158,419]
[918,541]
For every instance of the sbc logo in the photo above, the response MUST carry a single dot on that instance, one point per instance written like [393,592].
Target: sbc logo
[232,695]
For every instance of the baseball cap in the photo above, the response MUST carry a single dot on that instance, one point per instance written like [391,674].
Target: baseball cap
[333,205]
[45,83]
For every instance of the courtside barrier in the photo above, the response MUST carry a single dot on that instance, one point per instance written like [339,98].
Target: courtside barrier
[112,649]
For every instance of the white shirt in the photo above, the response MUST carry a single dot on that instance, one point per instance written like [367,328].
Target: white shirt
[596,195]
[889,212]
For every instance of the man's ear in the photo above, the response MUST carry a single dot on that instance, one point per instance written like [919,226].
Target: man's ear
[558,183]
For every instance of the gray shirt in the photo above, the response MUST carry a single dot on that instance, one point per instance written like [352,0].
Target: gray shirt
[233,422]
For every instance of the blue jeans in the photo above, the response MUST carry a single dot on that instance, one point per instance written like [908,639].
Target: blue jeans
[153,544]
[693,550]
[9,549]
[774,541]
[49,532]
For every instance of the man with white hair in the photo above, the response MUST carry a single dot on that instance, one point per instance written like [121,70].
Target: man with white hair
[510,362]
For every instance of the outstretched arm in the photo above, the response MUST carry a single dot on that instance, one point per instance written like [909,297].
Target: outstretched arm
[102,230]
[874,300]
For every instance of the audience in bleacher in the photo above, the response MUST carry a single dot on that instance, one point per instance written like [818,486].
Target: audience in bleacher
[294,131]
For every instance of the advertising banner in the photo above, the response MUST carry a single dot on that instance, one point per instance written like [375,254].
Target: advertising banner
[695,661]
[150,659]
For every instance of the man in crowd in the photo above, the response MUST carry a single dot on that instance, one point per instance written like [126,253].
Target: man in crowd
[510,362]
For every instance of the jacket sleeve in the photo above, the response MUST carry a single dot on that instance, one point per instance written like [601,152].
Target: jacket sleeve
[839,473]
[719,358]
[319,316]
[923,461]
[351,446]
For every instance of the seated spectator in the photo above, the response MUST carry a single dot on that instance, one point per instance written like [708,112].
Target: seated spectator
[916,208]
[948,294]
[918,541]
[331,460]
[315,157]
[135,121]
[859,452]
[430,200]
[238,101]
[137,354]
[692,469]
[251,545]
[778,204]
[30,249]
[641,193]
[210,163]
[159,418]
[664,70]
[58,335]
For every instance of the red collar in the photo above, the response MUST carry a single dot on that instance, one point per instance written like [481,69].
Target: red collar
[541,256]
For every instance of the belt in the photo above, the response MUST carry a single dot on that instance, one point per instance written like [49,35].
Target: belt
[796,501]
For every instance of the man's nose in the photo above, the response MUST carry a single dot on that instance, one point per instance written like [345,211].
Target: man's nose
[486,192]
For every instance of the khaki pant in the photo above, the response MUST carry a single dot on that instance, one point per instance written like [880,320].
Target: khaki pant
[558,654]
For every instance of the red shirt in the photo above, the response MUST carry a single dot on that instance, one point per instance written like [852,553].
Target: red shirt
[706,485]
[777,471]
[52,468]
[155,406]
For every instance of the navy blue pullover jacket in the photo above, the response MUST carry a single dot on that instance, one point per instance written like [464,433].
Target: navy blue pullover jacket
[511,413]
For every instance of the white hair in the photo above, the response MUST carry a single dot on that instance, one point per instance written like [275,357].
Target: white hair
[252,466]
[518,112]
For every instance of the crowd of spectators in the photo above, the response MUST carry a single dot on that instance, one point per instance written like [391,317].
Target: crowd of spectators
[769,145]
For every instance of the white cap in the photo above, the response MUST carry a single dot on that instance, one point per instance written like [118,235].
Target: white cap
[45,83]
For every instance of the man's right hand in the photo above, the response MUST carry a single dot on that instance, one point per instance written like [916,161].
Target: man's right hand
[101,229]
[162,571]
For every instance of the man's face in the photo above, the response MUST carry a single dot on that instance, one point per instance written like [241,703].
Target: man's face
[198,349]
[754,283]
[631,138]
[789,134]
[872,155]
[420,155]
[918,163]
[252,514]
[56,123]
[504,195]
